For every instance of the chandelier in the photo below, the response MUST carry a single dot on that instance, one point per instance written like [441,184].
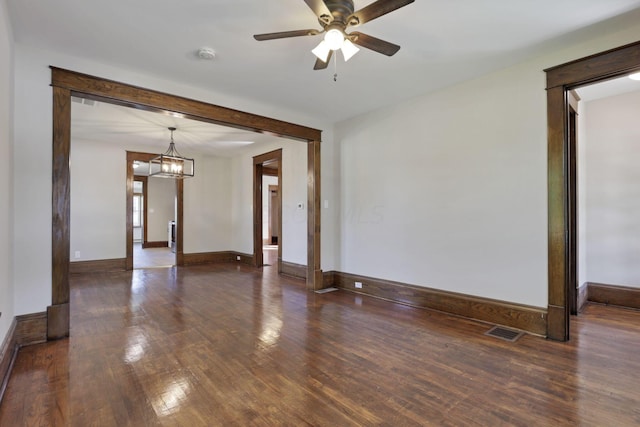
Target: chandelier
[171,164]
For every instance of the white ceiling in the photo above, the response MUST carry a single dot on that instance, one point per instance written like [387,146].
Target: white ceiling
[443,42]
[608,88]
[148,131]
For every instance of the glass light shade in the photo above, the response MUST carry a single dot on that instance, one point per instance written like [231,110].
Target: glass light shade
[322,51]
[634,76]
[165,166]
[334,39]
[348,50]
[171,164]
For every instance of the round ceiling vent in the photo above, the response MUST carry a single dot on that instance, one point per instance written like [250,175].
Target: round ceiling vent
[206,53]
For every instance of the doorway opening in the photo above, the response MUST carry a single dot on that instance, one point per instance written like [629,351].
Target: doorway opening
[66,84]
[267,209]
[271,218]
[154,236]
[154,219]
[608,218]
[560,167]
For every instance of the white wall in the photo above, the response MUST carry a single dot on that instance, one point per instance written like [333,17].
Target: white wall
[98,201]
[451,194]
[6,173]
[449,190]
[293,190]
[612,151]
[582,195]
[32,157]
[207,206]
[161,207]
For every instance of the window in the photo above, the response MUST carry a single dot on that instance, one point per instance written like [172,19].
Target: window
[137,210]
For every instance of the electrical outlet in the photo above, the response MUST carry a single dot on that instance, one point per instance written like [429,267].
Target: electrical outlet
[358,285]
[237,257]
[77,254]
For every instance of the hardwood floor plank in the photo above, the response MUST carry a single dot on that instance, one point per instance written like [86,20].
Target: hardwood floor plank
[229,345]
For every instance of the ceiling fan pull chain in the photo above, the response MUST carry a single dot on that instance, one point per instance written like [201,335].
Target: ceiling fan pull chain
[335,69]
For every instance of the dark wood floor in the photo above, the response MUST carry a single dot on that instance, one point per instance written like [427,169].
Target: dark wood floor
[225,345]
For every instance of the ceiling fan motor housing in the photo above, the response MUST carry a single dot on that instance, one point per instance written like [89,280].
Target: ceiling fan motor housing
[340,10]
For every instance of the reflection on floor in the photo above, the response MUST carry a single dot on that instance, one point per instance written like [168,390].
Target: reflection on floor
[152,257]
[270,255]
[228,344]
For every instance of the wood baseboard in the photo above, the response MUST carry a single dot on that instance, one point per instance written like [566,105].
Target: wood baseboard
[217,257]
[583,296]
[8,353]
[24,330]
[623,296]
[518,316]
[328,279]
[147,245]
[208,258]
[31,329]
[244,258]
[98,266]
[294,270]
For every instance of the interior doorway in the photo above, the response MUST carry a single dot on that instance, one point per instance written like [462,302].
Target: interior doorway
[154,225]
[560,81]
[159,243]
[271,219]
[267,209]
[66,84]
[273,210]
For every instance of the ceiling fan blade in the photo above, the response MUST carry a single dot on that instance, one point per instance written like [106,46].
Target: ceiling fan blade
[374,44]
[320,64]
[285,34]
[377,9]
[320,9]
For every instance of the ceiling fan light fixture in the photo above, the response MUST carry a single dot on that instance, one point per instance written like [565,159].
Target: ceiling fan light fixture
[334,39]
[335,17]
[322,51]
[348,49]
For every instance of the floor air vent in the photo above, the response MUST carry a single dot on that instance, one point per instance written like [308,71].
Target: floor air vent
[504,333]
[325,290]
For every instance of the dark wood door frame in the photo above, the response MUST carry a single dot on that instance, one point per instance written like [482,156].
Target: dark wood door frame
[144,180]
[66,83]
[560,80]
[145,157]
[572,187]
[259,163]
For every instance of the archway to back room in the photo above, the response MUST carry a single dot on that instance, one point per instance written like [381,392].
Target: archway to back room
[604,177]
[561,194]
[67,83]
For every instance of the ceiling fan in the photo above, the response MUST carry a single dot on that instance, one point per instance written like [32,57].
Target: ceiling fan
[335,16]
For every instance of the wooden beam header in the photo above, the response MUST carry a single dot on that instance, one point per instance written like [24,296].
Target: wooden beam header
[137,97]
